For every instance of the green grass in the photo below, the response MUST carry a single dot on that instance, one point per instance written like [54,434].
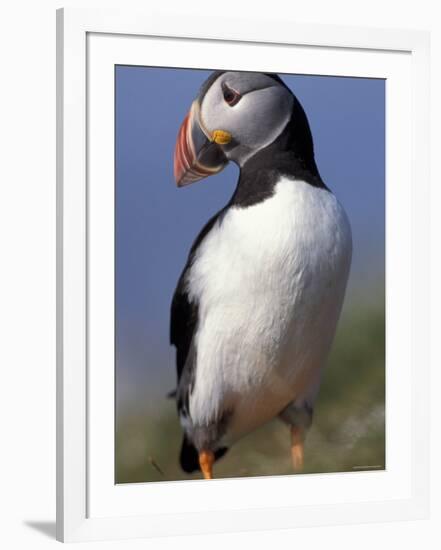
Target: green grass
[348,431]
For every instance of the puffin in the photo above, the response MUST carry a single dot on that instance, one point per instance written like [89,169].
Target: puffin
[256,307]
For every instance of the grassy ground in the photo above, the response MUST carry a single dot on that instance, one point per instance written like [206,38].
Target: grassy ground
[348,432]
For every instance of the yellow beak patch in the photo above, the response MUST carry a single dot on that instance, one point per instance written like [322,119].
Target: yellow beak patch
[221,137]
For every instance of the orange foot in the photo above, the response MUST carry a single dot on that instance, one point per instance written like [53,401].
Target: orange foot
[297,451]
[206,461]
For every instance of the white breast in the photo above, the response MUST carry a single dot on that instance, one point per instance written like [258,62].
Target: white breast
[269,280]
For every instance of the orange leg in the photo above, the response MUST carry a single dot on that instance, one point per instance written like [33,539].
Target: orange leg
[297,451]
[206,461]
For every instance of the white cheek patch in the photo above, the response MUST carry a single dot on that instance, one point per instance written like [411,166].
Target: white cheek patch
[263,116]
[214,110]
[255,121]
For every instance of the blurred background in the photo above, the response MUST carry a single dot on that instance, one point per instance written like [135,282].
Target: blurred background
[155,226]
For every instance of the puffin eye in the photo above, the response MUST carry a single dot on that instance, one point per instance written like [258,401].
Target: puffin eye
[230,96]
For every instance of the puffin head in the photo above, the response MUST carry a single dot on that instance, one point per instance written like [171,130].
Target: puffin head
[235,115]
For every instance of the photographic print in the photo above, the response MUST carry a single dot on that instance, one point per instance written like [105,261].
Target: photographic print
[249,274]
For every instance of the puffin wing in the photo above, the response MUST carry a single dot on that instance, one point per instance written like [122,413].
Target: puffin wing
[183,322]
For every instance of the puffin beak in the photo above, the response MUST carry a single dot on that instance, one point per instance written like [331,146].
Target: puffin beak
[197,155]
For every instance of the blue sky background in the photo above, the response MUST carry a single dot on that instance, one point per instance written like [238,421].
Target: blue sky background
[156,222]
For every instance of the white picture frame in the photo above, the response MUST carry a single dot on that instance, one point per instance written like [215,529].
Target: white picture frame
[89,505]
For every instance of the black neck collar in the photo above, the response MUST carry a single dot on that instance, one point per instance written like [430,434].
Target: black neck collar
[290,155]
